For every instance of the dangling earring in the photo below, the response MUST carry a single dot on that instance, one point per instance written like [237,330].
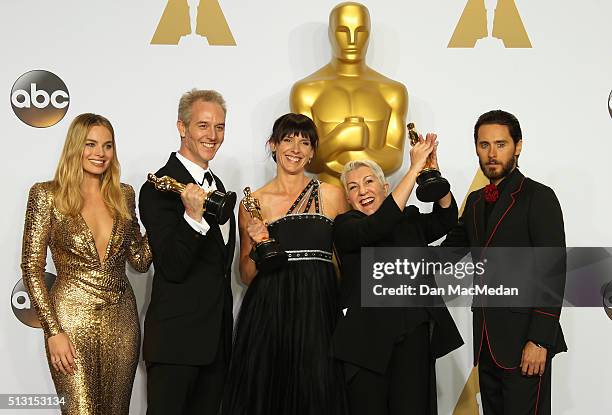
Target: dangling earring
[274,155]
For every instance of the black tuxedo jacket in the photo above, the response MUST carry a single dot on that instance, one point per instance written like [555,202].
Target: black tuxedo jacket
[191,299]
[365,337]
[527,214]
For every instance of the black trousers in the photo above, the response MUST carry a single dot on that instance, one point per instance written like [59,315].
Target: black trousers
[508,392]
[187,390]
[406,387]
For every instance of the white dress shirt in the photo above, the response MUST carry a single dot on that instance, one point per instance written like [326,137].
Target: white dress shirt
[197,172]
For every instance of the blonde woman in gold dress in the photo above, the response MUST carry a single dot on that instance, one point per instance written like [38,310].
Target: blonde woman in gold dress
[89,318]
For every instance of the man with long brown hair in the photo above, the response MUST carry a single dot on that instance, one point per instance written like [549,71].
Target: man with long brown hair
[514,347]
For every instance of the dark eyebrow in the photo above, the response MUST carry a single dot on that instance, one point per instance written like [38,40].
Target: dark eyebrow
[493,140]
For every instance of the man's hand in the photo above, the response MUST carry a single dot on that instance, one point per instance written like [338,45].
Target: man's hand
[533,361]
[257,230]
[193,199]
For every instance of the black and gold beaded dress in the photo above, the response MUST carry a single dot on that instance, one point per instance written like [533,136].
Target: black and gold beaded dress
[91,300]
[281,361]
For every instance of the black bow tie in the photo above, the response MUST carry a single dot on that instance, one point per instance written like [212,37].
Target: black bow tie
[207,178]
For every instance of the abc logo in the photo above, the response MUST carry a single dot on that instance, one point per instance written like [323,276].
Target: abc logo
[40,98]
[21,304]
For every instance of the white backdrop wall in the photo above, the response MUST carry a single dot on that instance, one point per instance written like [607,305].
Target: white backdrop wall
[558,89]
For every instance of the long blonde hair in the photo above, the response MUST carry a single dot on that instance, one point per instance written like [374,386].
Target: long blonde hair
[69,173]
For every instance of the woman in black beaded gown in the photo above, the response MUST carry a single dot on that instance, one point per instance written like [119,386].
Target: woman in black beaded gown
[281,361]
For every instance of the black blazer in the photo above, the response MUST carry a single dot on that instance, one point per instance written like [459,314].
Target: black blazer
[365,336]
[527,214]
[191,297]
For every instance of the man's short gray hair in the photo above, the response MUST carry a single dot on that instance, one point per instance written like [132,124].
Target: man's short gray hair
[189,97]
[355,164]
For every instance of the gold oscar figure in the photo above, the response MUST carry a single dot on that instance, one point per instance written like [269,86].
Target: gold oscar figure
[202,17]
[267,254]
[217,204]
[490,20]
[431,185]
[359,113]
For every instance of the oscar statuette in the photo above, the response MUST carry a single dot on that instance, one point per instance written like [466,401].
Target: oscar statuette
[217,204]
[431,185]
[267,254]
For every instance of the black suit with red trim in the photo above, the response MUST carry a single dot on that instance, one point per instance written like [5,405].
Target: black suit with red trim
[527,214]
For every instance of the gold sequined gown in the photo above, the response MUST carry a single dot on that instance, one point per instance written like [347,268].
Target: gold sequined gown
[91,301]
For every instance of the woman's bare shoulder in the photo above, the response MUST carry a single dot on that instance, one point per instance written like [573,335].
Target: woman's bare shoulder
[264,194]
[267,191]
[334,198]
[332,190]
[333,194]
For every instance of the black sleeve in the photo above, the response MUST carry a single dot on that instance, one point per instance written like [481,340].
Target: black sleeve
[174,243]
[439,222]
[353,230]
[457,236]
[546,229]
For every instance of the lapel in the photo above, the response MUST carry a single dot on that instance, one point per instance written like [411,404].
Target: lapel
[478,218]
[218,183]
[504,204]
[214,226]
[229,248]
[177,171]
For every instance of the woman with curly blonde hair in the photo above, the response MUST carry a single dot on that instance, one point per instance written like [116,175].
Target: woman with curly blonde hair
[87,218]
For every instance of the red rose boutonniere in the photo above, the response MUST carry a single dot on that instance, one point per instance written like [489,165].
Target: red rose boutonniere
[491,193]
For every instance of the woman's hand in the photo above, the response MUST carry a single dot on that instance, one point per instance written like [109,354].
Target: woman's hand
[421,150]
[257,230]
[433,158]
[62,352]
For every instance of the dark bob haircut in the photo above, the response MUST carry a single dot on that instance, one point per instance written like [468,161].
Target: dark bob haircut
[291,125]
[502,118]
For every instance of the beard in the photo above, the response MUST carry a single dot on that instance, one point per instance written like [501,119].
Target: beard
[505,170]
